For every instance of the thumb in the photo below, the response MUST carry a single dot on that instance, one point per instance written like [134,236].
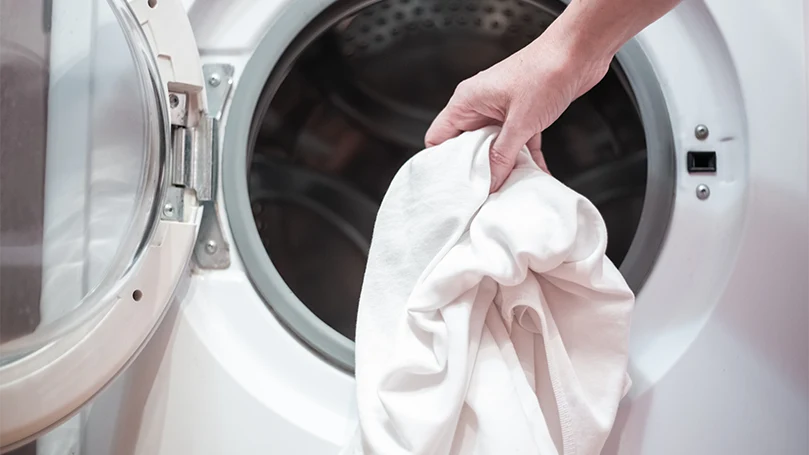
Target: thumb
[503,153]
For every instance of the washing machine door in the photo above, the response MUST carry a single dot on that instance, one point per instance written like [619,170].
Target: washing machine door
[106,151]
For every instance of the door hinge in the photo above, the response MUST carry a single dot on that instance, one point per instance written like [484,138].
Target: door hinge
[212,250]
[194,163]
[191,161]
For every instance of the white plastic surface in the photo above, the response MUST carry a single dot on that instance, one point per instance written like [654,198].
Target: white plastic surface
[222,376]
[47,386]
[701,86]
[171,39]
[719,351]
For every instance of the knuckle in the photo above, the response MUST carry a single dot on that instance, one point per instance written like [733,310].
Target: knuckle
[466,86]
[522,119]
[498,158]
[461,89]
[520,127]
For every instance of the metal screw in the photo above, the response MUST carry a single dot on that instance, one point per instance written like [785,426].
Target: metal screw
[214,80]
[701,132]
[168,209]
[703,192]
[211,247]
[174,100]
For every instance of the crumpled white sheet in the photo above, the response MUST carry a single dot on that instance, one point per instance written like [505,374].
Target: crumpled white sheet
[488,324]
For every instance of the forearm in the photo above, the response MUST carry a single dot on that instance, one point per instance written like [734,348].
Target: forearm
[594,30]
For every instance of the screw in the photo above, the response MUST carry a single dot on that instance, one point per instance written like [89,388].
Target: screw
[211,247]
[174,100]
[168,209]
[703,192]
[214,80]
[701,132]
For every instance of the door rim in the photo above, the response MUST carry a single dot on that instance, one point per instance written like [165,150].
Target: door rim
[271,58]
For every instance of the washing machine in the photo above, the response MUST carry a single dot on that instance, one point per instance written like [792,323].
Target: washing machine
[189,188]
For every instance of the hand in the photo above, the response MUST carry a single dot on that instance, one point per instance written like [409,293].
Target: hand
[528,91]
[524,93]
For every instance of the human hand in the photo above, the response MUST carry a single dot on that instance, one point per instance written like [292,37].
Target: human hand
[524,93]
[528,91]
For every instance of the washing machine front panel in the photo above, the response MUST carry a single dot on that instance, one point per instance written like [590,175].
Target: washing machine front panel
[708,377]
[719,103]
[106,159]
[719,343]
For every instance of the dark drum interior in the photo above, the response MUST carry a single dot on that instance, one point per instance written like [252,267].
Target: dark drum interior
[349,103]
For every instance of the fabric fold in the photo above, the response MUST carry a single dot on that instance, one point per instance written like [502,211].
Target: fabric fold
[488,324]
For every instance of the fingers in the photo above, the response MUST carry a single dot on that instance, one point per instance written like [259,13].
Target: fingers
[460,115]
[535,147]
[451,122]
[442,128]
[504,152]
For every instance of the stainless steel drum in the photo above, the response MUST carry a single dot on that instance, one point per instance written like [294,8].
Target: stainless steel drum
[317,231]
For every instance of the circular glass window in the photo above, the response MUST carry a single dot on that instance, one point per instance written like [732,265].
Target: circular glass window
[350,101]
[76,176]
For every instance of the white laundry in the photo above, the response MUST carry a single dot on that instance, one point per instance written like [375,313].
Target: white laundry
[488,324]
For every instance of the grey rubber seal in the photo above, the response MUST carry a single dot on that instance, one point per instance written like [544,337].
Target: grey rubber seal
[266,279]
[276,293]
[661,168]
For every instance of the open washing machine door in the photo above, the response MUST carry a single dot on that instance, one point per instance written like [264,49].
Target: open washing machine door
[107,157]
[718,346]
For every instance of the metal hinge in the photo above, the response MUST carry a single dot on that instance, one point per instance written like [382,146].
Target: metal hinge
[212,251]
[191,162]
[194,162]
[191,159]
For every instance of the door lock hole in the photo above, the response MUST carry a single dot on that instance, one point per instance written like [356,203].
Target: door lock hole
[701,162]
[137,295]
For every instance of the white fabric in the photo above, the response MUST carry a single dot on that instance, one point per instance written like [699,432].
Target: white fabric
[488,324]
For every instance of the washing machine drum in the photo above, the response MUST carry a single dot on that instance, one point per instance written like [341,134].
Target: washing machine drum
[350,102]
[317,231]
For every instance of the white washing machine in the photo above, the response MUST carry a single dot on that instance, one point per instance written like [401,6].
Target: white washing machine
[200,212]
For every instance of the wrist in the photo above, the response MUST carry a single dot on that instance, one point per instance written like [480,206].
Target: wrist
[583,45]
[596,29]
[571,58]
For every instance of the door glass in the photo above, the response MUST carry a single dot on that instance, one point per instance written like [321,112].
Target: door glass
[74,168]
